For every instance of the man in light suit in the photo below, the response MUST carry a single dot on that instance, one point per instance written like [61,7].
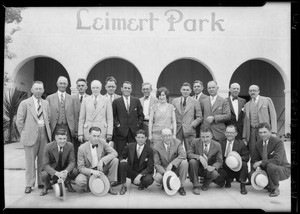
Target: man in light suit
[62,110]
[269,154]
[205,159]
[95,157]
[147,101]
[237,109]
[169,155]
[128,117]
[110,87]
[216,112]
[33,119]
[188,115]
[77,98]
[95,110]
[59,162]
[198,95]
[259,109]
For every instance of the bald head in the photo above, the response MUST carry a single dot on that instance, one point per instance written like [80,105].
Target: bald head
[166,135]
[62,83]
[254,91]
[235,89]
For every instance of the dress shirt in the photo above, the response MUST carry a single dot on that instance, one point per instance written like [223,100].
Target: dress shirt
[94,156]
[256,99]
[59,95]
[62,148]
[212,99]
[198,96]
[166,146]
[208,146]
[125,101]
[137,149]
[235,105]
[228,148]
[146,108]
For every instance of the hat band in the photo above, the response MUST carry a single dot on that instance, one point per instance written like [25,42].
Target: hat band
[168,183]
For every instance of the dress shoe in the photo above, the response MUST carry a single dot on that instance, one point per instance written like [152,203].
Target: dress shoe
[162,187]
[112,191]
[196,190]
[204,188]
[41,186]
[248,183]
[114,183]
[123,190]
[268,189]
[70,188]
[182,191]
[243,189]
[141,187]
[201,180]
[228,184]
[44,191]
[274,193]
[28,190]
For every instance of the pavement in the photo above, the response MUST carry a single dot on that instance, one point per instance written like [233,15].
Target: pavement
[152,197]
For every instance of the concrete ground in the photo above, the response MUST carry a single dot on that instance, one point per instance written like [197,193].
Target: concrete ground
[152,197]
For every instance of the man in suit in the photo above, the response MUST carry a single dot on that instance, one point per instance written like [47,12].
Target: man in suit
[188,115]
[269,154]
[33,119]
[110,87]
[216,112]
[95,157]
[169,155]
[198,95]
[205,159]
[233,144]
[128,117]
[147,101]
[137,163]
[77,98]
[59,162]
[61,109]
[95,110]
[236,109]
[259,109]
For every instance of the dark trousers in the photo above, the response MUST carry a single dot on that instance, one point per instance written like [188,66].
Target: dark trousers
[76,143]
[226,174]
[127,171]
[121,142]
[47,180]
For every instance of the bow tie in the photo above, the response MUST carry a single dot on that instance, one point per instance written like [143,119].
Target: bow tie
[96,145]
[234,98]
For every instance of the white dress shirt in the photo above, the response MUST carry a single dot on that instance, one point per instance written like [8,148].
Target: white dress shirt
[137,149]
[125,101]
[94,156]
[146,108]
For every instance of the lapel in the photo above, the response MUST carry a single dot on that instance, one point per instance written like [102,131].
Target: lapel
[99,150]
[144,154]
[200,148]
[259,102]
[65,153]
[123,103]
[131,153]
[223,145]
[247,108]
[188,104]
[211,149]
[100,105]
[231,106]
[88,152]
[67,101]
[240,105]
[32,108]
[151,102]
[131,105]
[163,149]
[177,105]
[56,101]
[235,146]
[55,151]
[44,110]
[172,149]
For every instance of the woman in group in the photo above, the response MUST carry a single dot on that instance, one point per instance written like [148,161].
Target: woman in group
[162,115]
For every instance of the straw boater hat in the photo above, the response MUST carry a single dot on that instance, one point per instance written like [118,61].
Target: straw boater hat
[171,183]
[59,189]
[234,161]
[259,179]
[99,186]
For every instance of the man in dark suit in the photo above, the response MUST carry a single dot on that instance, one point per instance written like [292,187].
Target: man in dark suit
[270,155]
[205,159]
[237,109]
[128,117]
[233,144]
[59,162]
[198,95]
[137,163]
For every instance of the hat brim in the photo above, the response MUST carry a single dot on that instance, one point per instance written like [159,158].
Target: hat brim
[166,175]
[238,157]
[253,176]
[104,180]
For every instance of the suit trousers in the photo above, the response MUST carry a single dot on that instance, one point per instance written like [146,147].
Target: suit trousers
[47,180]
[254,137]
[128,171]
[181,171]
[110,170]
[65,127]
[276,173]
[33,152]
[196,169]
[145,127]
[187,140]
[227,174]
[121,142]
[76,144]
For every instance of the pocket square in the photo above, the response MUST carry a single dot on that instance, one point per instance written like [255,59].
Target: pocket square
[220,108]
[272,153]
[146,159]
[135,109]
[264,106]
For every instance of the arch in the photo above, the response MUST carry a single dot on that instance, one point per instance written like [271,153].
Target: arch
[121,69]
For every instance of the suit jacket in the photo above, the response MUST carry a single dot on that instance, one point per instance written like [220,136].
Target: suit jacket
[189,118]
[275,150]
[161,159]
[50,158]
[54,111]
[238,146]
[266,113]
[146,164]
[84,158]
[153,100]
[214,156]
[101,117]
[241,114]
[202,97]
[221,112]
[77,105]
[26,121]
[124,121]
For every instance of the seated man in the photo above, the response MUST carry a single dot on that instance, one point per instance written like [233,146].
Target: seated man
[59,162]
[269,155]
[205,158]
[139,164]
[95,157]
[170,155]
[233,144]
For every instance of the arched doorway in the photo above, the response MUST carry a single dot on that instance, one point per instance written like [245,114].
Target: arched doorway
[119,68]
[180,71]
[44,69]
[269,80]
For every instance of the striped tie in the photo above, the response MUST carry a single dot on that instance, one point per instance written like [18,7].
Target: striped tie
[40,111]
[62,101]
[95,102]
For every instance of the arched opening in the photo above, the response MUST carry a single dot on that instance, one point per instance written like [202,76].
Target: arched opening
[180,71]
[120,69]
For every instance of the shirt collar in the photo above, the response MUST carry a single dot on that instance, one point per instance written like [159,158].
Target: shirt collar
[148,98]
[81,95]
[231,98]
[63,93]
[142,147]
[166,145]
[58,147]
[93,96]
[267,141]
[211,97]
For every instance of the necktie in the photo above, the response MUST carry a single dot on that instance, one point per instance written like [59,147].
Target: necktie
[228,148]
[139,151]
[60,156]
[205,149]
[96,145]
[40,112]
[81,97]
[127,105]
[111,98]
[196,96]
[168,151]
[95,102]
[62,101]
[254,99]
[265,151]
[184,102]
[212,101]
